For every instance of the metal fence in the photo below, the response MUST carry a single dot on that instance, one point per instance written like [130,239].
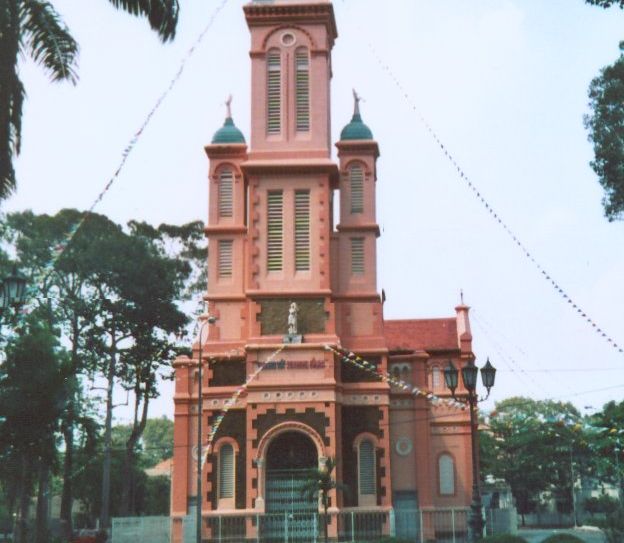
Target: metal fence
[356,526]
[138,529]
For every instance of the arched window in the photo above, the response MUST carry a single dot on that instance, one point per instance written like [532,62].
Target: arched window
[226,179]
[446,475]
[436,379]
[302,89]
[367,475]
[226,471]
[356,181]
[274,92]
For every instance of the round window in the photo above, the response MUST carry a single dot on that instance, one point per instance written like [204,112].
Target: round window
[403,446]
[288,39]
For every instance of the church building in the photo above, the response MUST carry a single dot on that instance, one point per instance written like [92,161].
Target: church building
[292,292]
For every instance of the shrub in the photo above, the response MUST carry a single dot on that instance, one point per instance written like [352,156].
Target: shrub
[562,538]
[503,538]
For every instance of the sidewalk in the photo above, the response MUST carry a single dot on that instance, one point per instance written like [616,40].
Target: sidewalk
[587,534]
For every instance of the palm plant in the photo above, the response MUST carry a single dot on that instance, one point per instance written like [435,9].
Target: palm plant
[34,28]
[319,482]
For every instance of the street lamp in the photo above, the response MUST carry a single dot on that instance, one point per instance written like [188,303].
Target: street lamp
[469,377]
[12,291]
[204,319]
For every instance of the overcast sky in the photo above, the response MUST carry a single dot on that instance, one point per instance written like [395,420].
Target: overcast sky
[503,83]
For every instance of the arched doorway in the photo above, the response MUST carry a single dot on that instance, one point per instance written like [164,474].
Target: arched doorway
[289,458]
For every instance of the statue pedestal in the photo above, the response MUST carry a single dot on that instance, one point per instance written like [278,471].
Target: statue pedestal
[292,338]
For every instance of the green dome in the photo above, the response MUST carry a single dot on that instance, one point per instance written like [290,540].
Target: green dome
[356,130]
[228,133]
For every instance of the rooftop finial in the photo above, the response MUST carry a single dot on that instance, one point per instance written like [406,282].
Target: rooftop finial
[461,295]
[228,105]
[356,103]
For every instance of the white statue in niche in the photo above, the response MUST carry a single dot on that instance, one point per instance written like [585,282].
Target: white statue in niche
[292,319]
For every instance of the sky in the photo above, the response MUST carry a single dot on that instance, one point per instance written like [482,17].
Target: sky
[503,83]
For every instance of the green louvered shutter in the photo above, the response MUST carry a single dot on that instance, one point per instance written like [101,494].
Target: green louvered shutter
[356,178]
[226,471]
[302,90]
[367,468]
[357,256]
[225,193]
[275,230]
[446,474]
[302,230]
[274,93]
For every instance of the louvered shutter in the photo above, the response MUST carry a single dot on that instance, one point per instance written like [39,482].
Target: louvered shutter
[356,177]
[225,193]
[357,256]
[302,90]
[225,257]
[226,471]
[446,474]
[302,230]
[274,93]
[367,468]
[275,230]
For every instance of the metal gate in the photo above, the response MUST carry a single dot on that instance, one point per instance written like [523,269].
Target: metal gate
[291,516]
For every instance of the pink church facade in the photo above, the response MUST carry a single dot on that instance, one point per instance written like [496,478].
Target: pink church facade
[289,289]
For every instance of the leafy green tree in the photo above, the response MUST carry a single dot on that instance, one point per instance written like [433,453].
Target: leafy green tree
[35,28]
[32,399]
[157,441]
[606,127]
[536,446]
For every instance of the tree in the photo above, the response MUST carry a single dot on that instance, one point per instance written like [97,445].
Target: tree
[35,28]
[32,398]
[606,128]
[157,441]
[536,446]
[107,277]
[319,482]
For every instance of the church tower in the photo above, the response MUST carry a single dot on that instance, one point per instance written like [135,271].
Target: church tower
[289,290]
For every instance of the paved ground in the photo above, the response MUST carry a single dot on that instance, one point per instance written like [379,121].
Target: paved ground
[587,535]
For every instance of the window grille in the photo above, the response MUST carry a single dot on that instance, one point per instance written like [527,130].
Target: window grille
[446,474]
[302,230]
[226,471]
[225,257]
[275,230]
[357,256]
[367,468]
[274,93]
[225,193]
[356,177]
[302,91]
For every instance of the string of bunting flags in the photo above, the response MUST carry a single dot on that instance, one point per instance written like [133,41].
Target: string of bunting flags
[488,207]
[61,247]
[231,401]
[359,362]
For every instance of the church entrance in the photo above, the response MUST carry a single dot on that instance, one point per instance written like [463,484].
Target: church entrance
[290,513]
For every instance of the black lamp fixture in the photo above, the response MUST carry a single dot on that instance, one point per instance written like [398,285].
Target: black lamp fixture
[469,373]
[12,291]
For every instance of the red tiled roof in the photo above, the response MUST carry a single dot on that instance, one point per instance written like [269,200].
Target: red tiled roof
[421,334]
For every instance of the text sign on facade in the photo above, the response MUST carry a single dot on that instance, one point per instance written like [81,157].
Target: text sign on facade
[312,364]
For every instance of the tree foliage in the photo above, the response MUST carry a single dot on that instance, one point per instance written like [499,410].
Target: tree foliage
[537,447]
[36,29]
[605,124]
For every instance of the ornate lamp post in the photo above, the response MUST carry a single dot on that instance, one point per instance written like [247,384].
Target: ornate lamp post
[204,319]
[12,291]
[469,377]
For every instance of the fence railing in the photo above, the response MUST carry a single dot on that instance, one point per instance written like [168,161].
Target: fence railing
[354,526]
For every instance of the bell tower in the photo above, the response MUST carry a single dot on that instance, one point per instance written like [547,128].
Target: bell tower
[291,45]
